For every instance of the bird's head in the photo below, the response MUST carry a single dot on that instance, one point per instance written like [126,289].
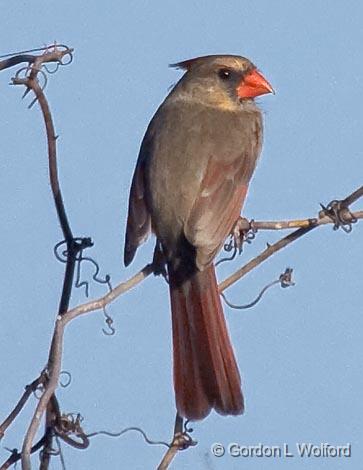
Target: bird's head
[222,79]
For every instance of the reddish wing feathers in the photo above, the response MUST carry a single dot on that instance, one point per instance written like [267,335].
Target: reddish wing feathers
[205,371]
[216,208]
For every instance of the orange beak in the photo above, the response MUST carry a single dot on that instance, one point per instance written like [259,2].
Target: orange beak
[254,84]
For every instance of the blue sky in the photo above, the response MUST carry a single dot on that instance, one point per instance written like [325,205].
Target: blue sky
[299,350]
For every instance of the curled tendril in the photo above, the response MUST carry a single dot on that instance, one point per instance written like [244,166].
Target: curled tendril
[68,425]
[68,377]
[228,258]
[80,243]
[229,245]
[68,54]
[24,72]
[337,212]
[187,428]
[36,66]
[79,283]
[285,280]
[235,242]
[109,321]
[51,71]
[61,257]
[61,254]
[126,430]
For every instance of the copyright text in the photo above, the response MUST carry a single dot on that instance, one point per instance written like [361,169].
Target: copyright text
[300,449]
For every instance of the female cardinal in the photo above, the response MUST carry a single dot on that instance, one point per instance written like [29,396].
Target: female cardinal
[191,178]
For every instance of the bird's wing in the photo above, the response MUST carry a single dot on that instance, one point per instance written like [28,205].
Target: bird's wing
[214,212]
[221,195]
[138,221]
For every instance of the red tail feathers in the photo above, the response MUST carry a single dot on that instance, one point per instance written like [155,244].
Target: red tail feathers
[206,375]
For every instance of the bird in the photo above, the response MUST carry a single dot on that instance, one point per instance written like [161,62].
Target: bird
[191,178]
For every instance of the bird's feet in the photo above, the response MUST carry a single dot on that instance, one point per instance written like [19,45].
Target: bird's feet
[240,232]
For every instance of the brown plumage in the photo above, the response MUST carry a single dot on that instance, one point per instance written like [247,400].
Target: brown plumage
[190,181]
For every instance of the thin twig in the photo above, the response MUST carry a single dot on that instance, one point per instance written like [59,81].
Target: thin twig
[298,223]
[110,296]
[283,242]
[31,82]
[349,200]
[269,251]
[16,456]
[29,389]
[148,269]
[54,53]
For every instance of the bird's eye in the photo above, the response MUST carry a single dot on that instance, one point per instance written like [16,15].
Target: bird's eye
[224,74]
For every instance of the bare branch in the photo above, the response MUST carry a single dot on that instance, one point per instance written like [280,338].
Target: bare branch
[349,200]
[110,296]
[269,251]
[337,213]
[54,369]
[54,53]
[74,246]
[306,224]
[282,243]
[297,223]
[29,389]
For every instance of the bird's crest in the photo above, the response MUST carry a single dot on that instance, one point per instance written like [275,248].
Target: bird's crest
[185,64]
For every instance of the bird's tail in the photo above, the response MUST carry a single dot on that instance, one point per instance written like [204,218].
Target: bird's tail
[206,375]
